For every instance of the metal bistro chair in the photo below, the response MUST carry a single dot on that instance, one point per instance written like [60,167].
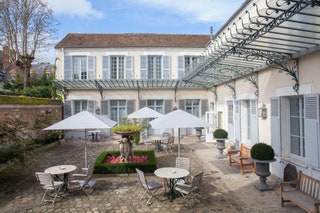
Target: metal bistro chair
[186,189]
[51,188]
[167,146]
[150,187]
[183,163]
[83,180]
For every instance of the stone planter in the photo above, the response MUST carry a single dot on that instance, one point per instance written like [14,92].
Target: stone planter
[199,133]
[263,171]
[221,145]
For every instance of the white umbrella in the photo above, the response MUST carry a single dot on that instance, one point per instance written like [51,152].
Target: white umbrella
[83,120]
[178,119]
[145,112]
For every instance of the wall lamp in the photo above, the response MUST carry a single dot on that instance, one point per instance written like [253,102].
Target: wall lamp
[262,111]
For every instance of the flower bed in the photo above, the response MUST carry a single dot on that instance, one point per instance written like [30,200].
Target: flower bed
[101,167]
[136,159]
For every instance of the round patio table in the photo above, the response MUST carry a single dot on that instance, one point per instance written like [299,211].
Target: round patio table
[171,173]
[59,170]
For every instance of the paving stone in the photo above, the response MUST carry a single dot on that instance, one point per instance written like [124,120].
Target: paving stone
[223,188]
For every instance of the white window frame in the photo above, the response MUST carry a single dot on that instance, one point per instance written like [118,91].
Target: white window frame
[80,67]
[154,67]
[193,107]
[118,105]
[117,67]
[157,105]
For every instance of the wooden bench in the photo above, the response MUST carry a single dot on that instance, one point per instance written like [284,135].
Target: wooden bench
[304,192]
[242,158]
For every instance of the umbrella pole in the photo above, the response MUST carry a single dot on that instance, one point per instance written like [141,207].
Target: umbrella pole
[179,142]
[85,149]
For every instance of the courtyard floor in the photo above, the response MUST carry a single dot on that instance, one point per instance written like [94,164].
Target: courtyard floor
[223,188]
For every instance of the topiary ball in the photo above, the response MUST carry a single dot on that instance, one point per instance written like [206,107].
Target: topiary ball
[262,151]
[220,133]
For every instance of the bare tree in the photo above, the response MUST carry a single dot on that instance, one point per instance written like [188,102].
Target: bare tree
[26,26]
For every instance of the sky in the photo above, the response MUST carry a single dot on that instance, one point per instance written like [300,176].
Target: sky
[141,16]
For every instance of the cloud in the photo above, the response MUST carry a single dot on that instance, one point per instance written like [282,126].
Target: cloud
[75,8]
[203,11]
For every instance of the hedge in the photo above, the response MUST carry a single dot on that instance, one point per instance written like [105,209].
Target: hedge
[108,168]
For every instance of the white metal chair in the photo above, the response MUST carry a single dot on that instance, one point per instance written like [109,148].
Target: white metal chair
[167,146]
[51,188]
[183,163]
[186,189]
[83,180]
[150,187]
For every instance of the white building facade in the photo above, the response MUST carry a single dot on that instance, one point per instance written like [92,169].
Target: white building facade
[258,78]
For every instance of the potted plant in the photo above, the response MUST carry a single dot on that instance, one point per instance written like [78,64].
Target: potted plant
[220,135]
[263,155]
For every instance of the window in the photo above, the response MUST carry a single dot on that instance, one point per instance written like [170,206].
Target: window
[190,62]
[118,110]
[154,67]
[156,105]
[193,107]
[80,105]
[296,129]
[79,67]
[117,67]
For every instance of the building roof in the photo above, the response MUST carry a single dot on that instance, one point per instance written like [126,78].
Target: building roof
[85,40]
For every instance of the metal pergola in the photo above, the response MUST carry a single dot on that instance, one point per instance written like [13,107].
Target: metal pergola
[261,33]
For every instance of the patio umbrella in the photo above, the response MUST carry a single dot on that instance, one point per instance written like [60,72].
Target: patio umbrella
[178,119]
[145,112]
[83,120]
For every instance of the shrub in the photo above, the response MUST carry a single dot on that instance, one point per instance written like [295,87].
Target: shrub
[262,151]
[220,133]
[101,167]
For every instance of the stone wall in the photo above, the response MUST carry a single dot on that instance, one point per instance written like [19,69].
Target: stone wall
[37,117]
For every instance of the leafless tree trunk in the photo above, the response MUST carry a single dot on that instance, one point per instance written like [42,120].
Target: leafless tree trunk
[26,26]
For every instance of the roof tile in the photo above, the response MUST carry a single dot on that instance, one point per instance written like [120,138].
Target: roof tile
[81,40]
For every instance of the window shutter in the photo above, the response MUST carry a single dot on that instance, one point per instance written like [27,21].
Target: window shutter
[129,69]
[204,107]
[311,128]
[104,104]
[181,66]
[91,67]
[167,106]
[237,122]
[253,122]
[142,103]
[67,67]
[166,67]
[143,67]
[275,125]
[105,67]
[130,106]
[67,109]
[182,105]
[91,106]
